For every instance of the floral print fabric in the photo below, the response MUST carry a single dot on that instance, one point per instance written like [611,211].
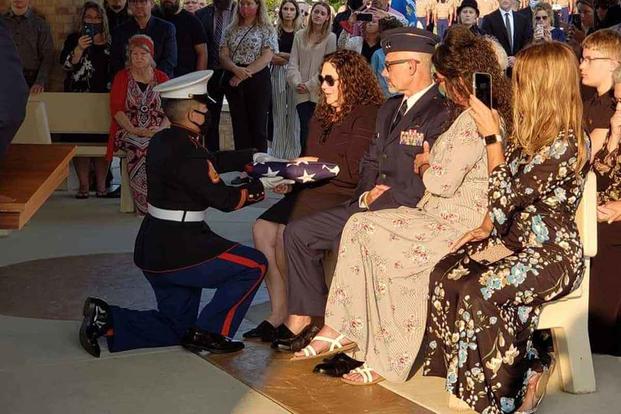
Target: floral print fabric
[482,314]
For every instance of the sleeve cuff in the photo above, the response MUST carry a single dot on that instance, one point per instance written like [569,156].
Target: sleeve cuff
[362,202]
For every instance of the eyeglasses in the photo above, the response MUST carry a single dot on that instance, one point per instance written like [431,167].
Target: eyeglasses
[388,64]
[327,79]
[538,18]
[591,59]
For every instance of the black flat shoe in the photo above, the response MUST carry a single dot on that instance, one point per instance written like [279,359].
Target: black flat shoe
[282,332]
[337,366]
[197,340]
[95,323]
[265,331]
[297,342]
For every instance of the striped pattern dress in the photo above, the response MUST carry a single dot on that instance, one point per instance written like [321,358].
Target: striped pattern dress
[286,138]
[378,296]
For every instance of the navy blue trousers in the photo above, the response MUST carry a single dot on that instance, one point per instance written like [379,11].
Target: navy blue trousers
[235,274]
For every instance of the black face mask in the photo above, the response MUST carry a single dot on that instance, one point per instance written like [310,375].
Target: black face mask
[204,114]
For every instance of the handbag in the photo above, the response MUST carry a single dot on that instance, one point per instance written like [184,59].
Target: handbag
[226,75]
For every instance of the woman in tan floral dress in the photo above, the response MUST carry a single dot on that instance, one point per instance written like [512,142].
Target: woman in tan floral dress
[483,312]
[378,296]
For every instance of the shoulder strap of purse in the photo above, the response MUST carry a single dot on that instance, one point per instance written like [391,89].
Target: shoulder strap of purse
[241,40]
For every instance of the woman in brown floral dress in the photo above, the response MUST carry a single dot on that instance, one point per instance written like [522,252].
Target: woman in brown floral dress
[482,313]
[605,287]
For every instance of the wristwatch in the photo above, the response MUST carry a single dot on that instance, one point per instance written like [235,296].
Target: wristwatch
[492,139]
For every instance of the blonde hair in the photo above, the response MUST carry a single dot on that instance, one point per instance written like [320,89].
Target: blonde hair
[325,28]
[263,20]
[606,41]
[546,98]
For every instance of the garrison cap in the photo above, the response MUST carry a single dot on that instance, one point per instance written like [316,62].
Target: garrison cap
[409,39]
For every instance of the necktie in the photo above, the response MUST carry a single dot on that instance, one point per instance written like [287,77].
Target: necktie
[402,110]
[509,35]
[217,32]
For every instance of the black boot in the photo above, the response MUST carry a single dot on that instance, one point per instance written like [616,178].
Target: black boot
[95,323]
[197,340]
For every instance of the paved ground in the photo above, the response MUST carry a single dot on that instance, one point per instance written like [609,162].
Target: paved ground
[43,369]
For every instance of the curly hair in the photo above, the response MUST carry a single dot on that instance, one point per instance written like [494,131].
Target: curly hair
[464,53]
[357,85]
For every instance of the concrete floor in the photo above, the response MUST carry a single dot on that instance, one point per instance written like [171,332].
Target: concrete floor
[43,368]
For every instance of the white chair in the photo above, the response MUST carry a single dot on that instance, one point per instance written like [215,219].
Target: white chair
[568,317]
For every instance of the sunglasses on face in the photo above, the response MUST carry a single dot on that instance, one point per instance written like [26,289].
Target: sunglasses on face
[539,18]
[327,79]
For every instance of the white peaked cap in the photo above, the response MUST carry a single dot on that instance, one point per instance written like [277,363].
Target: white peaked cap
[189,86]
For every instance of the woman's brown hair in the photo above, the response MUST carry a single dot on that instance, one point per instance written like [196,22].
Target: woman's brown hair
[546,98]
[357,86]
[460,56]
[327,25]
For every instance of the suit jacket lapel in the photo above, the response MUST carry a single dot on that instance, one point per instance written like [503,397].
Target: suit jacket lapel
[419,106]
[396,103]
[500,21]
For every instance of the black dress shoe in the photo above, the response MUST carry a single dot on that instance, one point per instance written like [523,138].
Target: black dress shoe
[265,331]
[337,366]
[282,332]
[95,323]
[297,342]
[197,340]
[113,194]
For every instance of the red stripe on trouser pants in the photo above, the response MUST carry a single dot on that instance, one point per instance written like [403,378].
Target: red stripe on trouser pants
[246,262]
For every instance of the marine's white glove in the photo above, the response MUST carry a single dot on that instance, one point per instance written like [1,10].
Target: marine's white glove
[264,157]
[269,183]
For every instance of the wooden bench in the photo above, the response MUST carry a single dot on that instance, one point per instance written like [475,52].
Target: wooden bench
[74,113]
[29,174]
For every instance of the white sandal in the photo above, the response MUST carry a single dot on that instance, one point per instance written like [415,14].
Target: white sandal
[336,347]
[366,373]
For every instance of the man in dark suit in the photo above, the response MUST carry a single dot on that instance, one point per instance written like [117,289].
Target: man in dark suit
[387,179]
[214,19]
[528,10]
[513,30]
[14,90]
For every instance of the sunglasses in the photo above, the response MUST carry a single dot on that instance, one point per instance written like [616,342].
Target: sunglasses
[327,79]
[538,18]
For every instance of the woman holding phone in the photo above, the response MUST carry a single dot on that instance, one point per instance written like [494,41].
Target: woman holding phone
[543,17]
[86,61]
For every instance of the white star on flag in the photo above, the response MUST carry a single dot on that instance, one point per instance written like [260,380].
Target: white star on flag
[307,178]
[335,170]
[297,163]
[271,173]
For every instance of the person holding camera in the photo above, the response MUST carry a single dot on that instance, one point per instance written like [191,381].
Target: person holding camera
[543,17]
[86,60]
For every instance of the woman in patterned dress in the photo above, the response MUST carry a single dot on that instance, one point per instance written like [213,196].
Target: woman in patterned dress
[486,296]
[378,296]
[137,114]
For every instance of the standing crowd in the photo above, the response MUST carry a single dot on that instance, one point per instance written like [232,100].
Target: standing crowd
[452,222]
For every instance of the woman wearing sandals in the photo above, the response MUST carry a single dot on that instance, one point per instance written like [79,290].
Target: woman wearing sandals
[341,131]
[378,299]
[486,296]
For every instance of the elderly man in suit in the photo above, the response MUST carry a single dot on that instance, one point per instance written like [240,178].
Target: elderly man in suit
[387,180]
[512,29]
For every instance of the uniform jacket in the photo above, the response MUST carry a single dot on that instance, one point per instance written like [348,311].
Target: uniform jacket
[183,175]
[390,162]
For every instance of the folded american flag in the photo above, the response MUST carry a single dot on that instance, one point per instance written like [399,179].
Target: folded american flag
[299,171]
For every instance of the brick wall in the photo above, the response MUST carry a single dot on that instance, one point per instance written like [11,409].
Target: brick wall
[62,16]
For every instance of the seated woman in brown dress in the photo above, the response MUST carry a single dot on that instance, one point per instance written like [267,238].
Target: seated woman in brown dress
[605,287]
[483,309]
[340,132]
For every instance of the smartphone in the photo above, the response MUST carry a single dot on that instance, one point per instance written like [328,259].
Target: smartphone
[88,30]
[364,17]
[482,85]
